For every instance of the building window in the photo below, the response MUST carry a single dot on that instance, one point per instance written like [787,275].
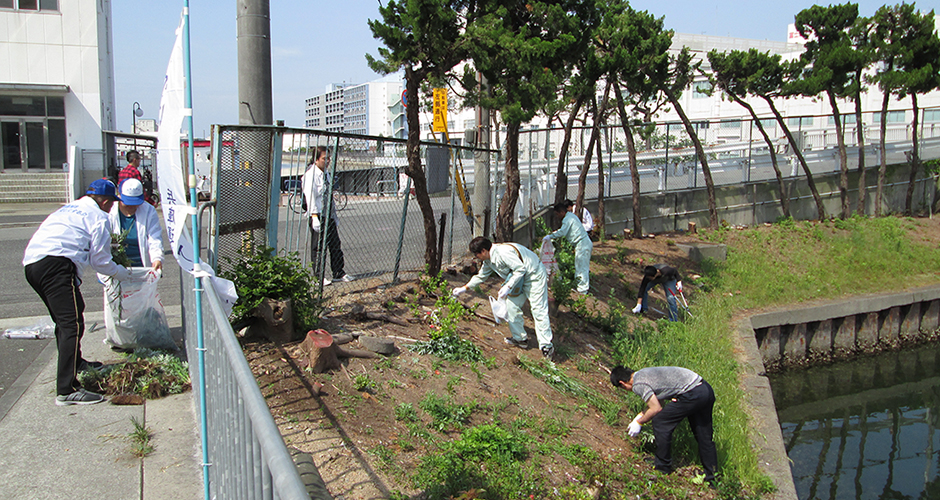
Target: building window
[847,119]
[700,90]
[893,117]
[30,4]
[930,115]
[766,123]
[800,121]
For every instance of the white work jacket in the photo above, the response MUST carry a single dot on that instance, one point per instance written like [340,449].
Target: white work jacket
[80,232]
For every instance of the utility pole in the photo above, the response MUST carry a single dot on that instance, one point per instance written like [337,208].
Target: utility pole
[481,171]
[253,32]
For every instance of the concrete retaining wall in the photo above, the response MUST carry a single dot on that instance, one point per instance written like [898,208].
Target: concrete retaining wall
[755,202]
[803,336]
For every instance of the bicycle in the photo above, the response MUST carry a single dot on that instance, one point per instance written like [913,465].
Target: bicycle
[340,200]
[295,201]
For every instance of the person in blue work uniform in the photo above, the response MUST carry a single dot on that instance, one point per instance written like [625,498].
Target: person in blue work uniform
[73,238]
[572,229]
[524,277]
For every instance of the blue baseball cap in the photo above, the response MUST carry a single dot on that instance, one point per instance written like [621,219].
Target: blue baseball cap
[102,187]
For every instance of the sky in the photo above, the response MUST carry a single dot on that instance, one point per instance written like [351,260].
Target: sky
[316,43]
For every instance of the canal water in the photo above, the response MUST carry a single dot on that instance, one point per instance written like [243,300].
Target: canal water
[864,429]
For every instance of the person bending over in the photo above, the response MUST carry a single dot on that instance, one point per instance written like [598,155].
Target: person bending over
[672,394]
[668,277]
[524,277]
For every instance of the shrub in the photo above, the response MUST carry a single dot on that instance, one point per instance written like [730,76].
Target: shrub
[265,274]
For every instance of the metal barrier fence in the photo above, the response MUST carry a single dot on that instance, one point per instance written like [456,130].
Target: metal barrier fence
[735,149]
[246,453]
[381,228]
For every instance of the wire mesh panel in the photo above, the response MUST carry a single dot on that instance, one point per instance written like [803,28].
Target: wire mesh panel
[379,223]
[243,185]
[735,149]
[372,229]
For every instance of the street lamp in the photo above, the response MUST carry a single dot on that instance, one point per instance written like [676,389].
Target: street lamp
[137,112]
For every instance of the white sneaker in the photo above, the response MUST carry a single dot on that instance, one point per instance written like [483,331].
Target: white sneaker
[327,282]
[347,278]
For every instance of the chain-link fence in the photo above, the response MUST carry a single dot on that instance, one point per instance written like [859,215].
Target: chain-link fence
[380,236]
[735,150]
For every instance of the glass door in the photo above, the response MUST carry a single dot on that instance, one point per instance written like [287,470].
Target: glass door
[35,144]
[23,144]
[10,142]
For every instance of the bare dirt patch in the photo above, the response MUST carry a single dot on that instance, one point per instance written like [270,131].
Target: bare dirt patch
[364,452]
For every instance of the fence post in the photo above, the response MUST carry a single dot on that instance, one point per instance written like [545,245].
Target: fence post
[666,159]
[401,230]
[275,193]
[440,240]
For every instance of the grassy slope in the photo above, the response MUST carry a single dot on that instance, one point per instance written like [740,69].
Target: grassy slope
[784,264]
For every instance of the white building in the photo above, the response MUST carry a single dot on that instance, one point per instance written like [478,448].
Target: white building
[56,83]
[372,108]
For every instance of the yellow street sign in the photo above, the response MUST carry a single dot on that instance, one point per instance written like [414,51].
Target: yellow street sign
[440,110]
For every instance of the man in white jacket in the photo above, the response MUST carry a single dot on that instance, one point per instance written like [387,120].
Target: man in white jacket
[73,238]
[144,241]
[316,186]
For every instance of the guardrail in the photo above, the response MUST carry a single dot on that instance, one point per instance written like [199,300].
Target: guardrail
[247,456]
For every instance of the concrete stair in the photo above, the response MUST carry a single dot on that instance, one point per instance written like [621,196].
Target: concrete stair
[31,187]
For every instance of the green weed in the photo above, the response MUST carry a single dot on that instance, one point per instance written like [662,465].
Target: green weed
[444,413]
[140,439]
[145,372]
[364,383]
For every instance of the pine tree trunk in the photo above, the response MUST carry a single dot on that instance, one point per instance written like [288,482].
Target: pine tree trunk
[843,163]
[784,194]
[631,152]
[416,171]
[507,208]
[700,152]
[561,179]
[820,209]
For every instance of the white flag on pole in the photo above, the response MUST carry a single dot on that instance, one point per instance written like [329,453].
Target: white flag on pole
[170,172]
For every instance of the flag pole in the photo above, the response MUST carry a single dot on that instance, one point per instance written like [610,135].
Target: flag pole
[197,264]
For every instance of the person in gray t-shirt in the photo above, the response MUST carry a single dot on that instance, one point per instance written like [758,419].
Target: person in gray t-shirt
[689,396]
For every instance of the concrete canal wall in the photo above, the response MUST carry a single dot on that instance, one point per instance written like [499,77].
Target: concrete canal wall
[802,335]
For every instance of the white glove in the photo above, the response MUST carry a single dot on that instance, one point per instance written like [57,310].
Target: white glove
[459,290]
[635,426]
[315,223]
[503,293]
[679,286]
[636,310]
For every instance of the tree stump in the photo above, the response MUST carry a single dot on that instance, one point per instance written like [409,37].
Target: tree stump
[277,321]
[321,351]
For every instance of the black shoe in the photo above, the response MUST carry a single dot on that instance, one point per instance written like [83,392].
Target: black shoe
[85,365]
[548,352]
[521,344]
